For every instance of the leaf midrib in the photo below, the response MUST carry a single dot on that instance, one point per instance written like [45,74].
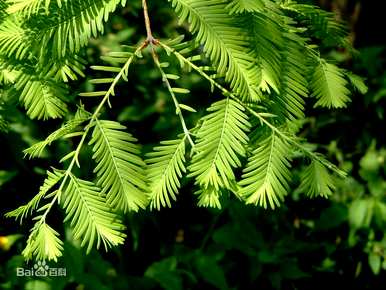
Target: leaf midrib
[111,154]
[170,163]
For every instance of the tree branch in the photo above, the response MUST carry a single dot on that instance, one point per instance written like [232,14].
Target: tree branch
[150,38]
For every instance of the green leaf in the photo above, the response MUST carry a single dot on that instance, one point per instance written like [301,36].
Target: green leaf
[267,40]
[180,91]
[329,86]
[332,217]
[23,211]
[69,127]
[293,86]
[357,82]
[317,181]
[120,170]
[166,165]
[380,213]
[70,24]
[6,176]
[187,108]
[102,81]
[37,285]
[211,272]
[220,141]
[93,220]
[239,6]
[43,243]
[360,213]
[265,178]
[13,38]
[93,94]
[112,69]
[224,42]
[375,262]
[164,272]
[28,7]
[371,161]
[41,97]
[291,270]
[209,197]
[321,24]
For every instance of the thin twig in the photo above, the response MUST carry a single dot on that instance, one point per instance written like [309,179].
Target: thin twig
[154,42]
[150,38]
[175,101]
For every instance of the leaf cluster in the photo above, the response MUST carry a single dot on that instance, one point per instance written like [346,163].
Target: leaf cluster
[263,67]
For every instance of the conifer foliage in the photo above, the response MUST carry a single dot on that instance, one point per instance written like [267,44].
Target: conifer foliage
[264,67]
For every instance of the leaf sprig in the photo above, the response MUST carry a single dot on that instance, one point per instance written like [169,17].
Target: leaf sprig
[260,61]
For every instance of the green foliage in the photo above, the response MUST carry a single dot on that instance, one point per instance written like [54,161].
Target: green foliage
[67,130]
[23,211]
[43,243]
[90,215]
[223,41]
[221,139]
[329,86]
[317,181]
[69,24]
[41,97]
[239,6]
[294,86]
[12,38]
[322,24]
[119,169]
[266,176]
[166,165]
[256,56]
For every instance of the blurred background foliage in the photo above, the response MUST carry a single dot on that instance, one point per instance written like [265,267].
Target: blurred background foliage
[305,244]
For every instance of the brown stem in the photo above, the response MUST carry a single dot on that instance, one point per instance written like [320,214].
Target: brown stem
[150,39]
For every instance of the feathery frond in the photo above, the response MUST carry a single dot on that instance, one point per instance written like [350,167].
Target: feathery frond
[267,42]
[43,243]
[357,82]
[258,48]
[209,197]
[288,140]
[166,165]
[68,68]
[224,42]
[322,24]
[220,141]
[14,39]
[69,127]
[329,86]
[7,76]
[120,170]
[294,85]
[240,6]
[90,216]
[3,7]
[27,7]
[70,27]
[41,97]
[266,176]
[23,211]
[317,181]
